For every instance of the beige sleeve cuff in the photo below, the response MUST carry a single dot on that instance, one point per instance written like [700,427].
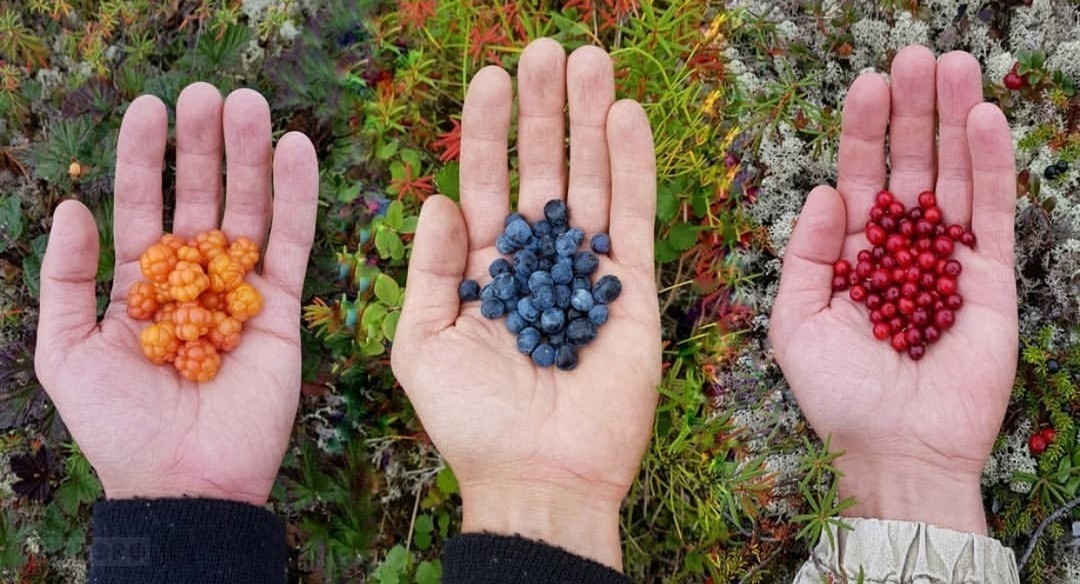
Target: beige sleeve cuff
[902,552]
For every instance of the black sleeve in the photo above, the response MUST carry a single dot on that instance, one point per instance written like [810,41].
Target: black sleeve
[174,541]
[496,559]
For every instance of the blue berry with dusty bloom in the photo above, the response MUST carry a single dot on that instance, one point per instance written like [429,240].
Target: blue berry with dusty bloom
[582,300]
[607,289]
[527,340]
[598,314]
[492,309]
[566,357]
[468,290]
[601,243]
[544,355]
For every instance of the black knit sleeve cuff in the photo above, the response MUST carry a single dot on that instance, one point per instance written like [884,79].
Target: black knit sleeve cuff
[497,559]
[166,541]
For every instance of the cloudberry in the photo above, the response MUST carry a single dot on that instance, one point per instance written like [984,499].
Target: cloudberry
[159,342]
[197,360]
[211,300]
[244,302]
[187,253]
[162,293]
[211,244]
[187,281]
[142,301]
[225,273]
[157,262]
[244,251]
[192,321]
[172,241]
[225,332]
[165,312]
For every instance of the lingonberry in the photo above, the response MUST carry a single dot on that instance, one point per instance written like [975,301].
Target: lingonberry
[884,199]
[931,334]
[882,331]
[1048,434]
[952,268]
[1036,444]
[897,324]
[954,302]
[943,246]
[927,199]
[888,223]
[1013,81]
[873,301]
[839,284]
[933,215]
[896,209]
[244,302]
[912,274]
[904,257]
[863,256]
[857,293]
[924,228]
[892,294]
[914,214]
[888,310]
[924,299]
[946,286]
[913,336]
[877,213]
[863,269]
[955,232]
[841,268]
[899,341]
[888,262]
[944,319]
[879,279]
[906,228]
[876,317]
[197,360]
[920,317]
[927,281]
[968,239]
[908,290]
[875,234]
[899,275]
[142,301]
[916,352]
[905,305]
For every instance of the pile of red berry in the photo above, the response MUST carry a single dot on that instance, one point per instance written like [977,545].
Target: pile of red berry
[1040,440]
[908,279]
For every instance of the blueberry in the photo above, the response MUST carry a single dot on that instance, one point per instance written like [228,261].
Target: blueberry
[527,340]
[1051,172]
[544,355]
[598,314]
[525,261]
[555,212]
[522,281]
[527,310]
[487,292]
[566,358]
[511,218]
[607,289]
[518,232]
[567,243]
[504,245]
[580,332]
[581,283]
[492,308]
[582,300]
[562,272]
[514,322]
[585,263]
[1052,366]
[468,290]
[562,296]
[1062,166]
[504,287]
[545,246]
[545,263]
[601,243]
[499,266]
[541,228]
[552,320]
[544,298]
[558,339]
[574,313]
[557,230]
[538,279]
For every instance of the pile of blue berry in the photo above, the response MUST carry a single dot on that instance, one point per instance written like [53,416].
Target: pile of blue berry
[546,293]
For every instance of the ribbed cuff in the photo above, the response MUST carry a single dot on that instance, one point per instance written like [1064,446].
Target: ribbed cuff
[901,551]
[167,541]
[480,558]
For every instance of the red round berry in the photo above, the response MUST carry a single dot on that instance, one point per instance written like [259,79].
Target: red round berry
[888,262]
[954,302]
[863,256]
[1036,444]
[926,261]
[876,316]
[927,199]
[906,228]
[933,215]
[905,305]
[943,246]
[884,199]
[896,209]
[920,317]
[879,279]
[913,337]
[944,319]
[857,293]
[909,289]
[898,324]
[882,331]
[899,342]
[904,258]
[863,269]
[931,334]
[912,274]
[887,223]
[839,283]
[875,234]
[968,239]
[916,352]
[953,268]
[873,301]
[1013,81]
[892,294]
[1048,434]
[946,286]
[914,214]
[877,213]
[888,310]
[955,232]
[841,268]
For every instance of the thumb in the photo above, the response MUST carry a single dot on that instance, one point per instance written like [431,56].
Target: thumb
[68,303]
[436,268]
[815,244]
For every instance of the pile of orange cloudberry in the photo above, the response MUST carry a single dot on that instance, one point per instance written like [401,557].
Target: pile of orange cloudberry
[197,299]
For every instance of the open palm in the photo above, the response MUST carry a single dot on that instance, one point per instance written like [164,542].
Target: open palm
[938,416]
[496,417]
[147,431]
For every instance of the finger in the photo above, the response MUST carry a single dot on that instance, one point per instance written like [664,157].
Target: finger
[815,244]
[248,156]
[541,126]
[68,303]
[913,123]
[436,268]
[633,178]
[959,88]
[485,186]
[296,194]
[198,160]
[994,177]
[861,172]
[140,154]
[590,85]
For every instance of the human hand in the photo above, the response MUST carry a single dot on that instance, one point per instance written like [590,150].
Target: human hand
[148,432]
[916,433]
[541,452]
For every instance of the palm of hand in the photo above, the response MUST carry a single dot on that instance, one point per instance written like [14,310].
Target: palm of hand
[147,431]
[495,416]
[945,409]
[545,424]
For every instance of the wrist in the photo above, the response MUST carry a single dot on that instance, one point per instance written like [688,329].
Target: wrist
[579,522]
[178,489]
[902,489]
